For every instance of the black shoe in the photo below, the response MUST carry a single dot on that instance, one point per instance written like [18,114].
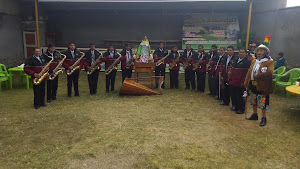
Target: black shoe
[224,104]
[54,98]
[263,121]
[187,88]
[36,107]
[107,91]
[233,108]
[239,112]
[44,105]
[163,87]
[171,87]
[49,101]
[77,95]
[210,94]
[69,96]
[253,117]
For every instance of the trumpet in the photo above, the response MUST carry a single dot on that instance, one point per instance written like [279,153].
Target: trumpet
[174,63]
[75,66]
[94,66]
[57,71]
[113,65]
[198,64]
[43,74]
[186,64]
[161,61]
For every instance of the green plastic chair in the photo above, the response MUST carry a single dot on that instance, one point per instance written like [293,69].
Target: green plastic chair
[28,80]
[294,76]
[278,71]
[4,76]
[275,63]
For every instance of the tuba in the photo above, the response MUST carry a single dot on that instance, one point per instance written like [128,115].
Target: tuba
[94,66]
[44,73]
[174,63]
[57,71]
[113,66]
[75,66]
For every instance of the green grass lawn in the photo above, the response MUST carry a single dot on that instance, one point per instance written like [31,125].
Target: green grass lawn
[179,129]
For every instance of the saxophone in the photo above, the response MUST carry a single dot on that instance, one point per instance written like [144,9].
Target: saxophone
[208,66]
[75,66]
[186,64]
[130,62]
[113,65]
[43,74]
[57,71]
[174,63]
[161,61]
[94,66]
[197,65]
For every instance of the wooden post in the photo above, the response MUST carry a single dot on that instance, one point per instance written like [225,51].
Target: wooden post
[37,24]
[249,22]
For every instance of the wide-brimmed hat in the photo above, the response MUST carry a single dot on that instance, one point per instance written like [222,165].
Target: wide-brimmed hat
[262,47]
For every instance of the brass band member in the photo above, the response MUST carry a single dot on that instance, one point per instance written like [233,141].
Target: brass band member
[201,58]
[219,68]
[227,62]
[72,54]
[52,84]
[237,77]
[259,82]
[127,58]
[189,74]
[33,66]
[92,56]
[213,58]
[109,57]
[174,72]
[161,69]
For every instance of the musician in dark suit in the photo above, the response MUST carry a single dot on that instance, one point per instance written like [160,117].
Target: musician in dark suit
[72,55]
[237,77]
[52,84]
[174,72]
[219,69]
[33,66]
[227,62]
[92,56]
[189,74]
[127,58]
[213,58]
[200,57]
[109,57]
[161,69]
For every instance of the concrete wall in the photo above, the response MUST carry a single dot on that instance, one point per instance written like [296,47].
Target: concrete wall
[84,29]
[11,40]
[283,25]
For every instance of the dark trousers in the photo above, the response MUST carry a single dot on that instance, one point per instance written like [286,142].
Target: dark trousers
[110,80]
[226,94]
[212,84]
[236,94]
[93,81]
[201,76]
[39,94]
[73,79]
[174,78]
[160,71]
[52,88]
[126,74]
[189,76]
